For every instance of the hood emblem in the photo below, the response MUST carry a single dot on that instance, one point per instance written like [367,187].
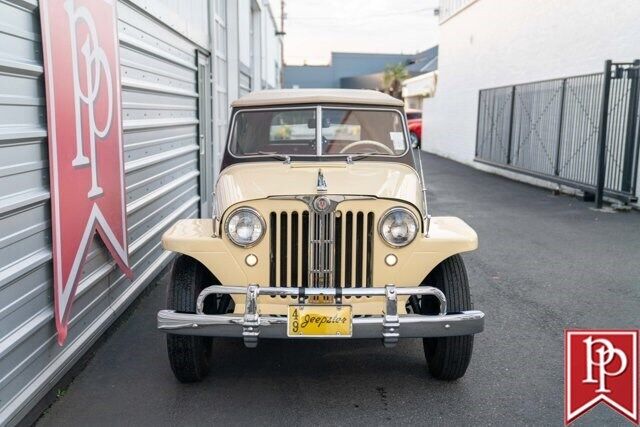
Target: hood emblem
[321,186]
[322,204]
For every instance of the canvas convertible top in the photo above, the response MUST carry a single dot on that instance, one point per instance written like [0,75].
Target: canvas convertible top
[316,96]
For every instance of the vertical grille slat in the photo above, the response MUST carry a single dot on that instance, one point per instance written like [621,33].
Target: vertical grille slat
[338,249]
[348,250]
[321,249]
[273,236]
[279,250]
[305,248]
[295,249]
[354,250]
[369,252]
[283,249]
[359,248]
[301,249]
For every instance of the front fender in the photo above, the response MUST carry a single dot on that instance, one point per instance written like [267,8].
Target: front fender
[194,237]
[448,236]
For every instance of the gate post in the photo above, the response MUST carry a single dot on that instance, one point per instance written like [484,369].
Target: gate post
[556,167]
[602,134]
[628,166]
[510,140]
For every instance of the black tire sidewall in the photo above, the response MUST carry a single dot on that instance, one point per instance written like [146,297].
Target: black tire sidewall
[189,356]
[449,357]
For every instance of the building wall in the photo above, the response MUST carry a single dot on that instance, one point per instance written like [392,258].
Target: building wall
[220,70]
[272,51]
[259,48]
[373,81]
[343,64]
[308,76]
[244,39]
[493,43]
[175,87]
[186,17]
[347,64]
[448,8]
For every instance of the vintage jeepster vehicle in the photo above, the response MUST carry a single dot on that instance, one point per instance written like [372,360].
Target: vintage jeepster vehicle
[320,230]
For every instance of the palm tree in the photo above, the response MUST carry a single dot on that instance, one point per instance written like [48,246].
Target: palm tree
[393,77]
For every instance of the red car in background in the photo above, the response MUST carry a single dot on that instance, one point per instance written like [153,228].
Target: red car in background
[414,120]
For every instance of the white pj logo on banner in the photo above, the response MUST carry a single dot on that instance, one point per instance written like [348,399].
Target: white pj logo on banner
[96,64]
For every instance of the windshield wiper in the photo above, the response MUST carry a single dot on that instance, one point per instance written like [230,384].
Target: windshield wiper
[284,157]
[352,157]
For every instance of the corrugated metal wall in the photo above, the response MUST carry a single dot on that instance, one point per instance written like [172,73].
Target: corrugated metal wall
[160,113]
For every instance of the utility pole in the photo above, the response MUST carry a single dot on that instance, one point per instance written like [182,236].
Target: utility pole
[281,33]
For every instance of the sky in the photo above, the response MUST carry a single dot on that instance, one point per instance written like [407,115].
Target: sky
[315,28]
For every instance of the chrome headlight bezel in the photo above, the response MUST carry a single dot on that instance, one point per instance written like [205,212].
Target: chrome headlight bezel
[253,212]
[409,214]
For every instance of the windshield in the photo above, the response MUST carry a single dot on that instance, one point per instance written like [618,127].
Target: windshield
[293,132]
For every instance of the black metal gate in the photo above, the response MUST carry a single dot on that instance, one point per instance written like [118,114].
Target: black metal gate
[579,131]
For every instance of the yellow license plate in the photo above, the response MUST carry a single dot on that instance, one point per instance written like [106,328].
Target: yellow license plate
[319,321]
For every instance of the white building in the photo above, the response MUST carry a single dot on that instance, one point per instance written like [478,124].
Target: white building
[491,43]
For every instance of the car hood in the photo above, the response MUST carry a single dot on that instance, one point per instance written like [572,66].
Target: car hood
[251,181]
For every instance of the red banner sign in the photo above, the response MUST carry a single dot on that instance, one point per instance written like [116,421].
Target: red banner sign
[601,366]
[82,79]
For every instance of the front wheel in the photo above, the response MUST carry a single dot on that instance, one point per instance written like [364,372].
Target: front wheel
[448,357]
[189,356]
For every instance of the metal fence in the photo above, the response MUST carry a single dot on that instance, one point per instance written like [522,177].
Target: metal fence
[554,130]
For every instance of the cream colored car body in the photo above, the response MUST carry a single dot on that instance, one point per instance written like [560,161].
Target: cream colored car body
[273,186]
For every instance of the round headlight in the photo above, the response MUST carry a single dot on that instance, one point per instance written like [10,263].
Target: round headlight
[245,227]
[398,227]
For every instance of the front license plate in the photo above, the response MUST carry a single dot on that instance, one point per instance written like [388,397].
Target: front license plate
[319,321]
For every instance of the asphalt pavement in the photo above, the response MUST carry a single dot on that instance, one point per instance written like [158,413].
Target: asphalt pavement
[545,263]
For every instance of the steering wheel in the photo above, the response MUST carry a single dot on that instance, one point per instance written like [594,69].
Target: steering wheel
[367,142]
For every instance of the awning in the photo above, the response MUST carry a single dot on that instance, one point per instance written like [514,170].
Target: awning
[423,85]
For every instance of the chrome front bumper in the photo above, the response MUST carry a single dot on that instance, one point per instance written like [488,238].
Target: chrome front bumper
[390,326]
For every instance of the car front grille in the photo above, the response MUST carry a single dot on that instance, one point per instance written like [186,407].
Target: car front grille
[310,249]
